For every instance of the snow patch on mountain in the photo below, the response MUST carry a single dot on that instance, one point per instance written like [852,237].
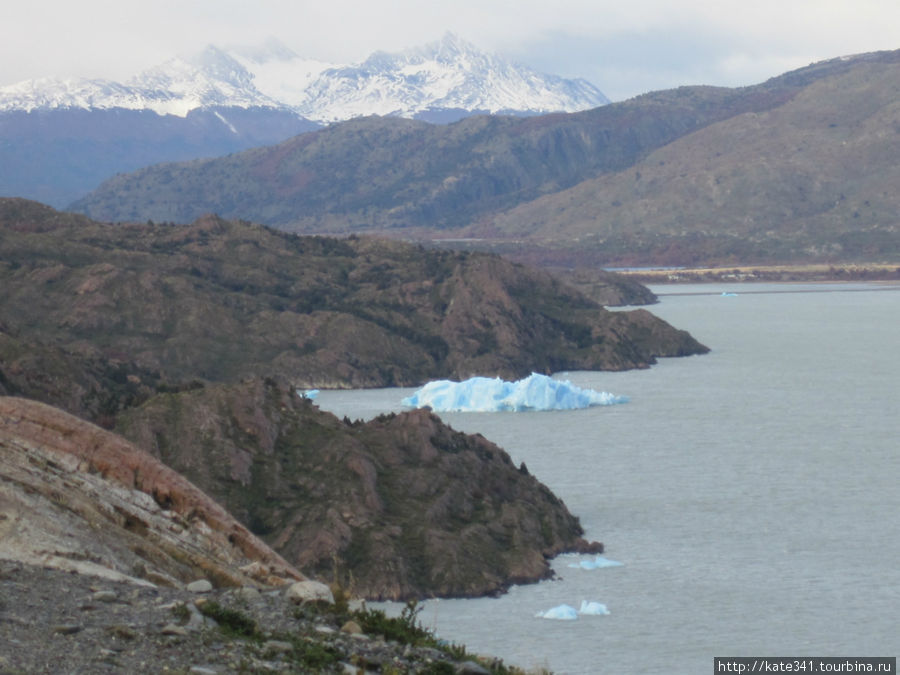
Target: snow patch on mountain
[208,79]
[449,74]
[445,75]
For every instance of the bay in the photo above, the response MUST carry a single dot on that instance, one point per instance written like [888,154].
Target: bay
[751,494]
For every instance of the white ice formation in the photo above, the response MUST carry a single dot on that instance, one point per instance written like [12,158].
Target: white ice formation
[484,394]
[593,608]
[568,613]
[596,563]
[560,613]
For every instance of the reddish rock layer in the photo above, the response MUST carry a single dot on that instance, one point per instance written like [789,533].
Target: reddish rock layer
[56,466]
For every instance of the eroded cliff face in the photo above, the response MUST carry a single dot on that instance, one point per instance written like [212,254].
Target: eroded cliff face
[79,498]
[403,505]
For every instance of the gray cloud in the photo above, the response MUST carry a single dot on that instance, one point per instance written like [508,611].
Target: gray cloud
[623,48]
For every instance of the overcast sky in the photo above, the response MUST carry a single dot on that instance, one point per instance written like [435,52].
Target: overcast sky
[625,47]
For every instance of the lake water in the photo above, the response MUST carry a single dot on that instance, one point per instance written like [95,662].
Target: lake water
[753,493]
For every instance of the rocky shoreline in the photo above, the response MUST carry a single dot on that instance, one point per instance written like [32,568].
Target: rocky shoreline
[58,622]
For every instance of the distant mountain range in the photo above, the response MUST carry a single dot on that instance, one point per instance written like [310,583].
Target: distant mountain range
[440,81]
[799,168]
[60,138]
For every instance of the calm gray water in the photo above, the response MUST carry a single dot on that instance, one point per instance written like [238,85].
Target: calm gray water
[751,493]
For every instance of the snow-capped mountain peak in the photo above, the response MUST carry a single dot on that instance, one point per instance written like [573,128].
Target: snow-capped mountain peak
[447,75]
[271,49]
[450,74]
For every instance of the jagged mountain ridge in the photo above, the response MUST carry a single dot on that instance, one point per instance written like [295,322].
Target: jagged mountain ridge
[447,75]
[208,79]
[59,139]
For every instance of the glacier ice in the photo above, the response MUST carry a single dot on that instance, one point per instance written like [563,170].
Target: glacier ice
[568,613]
[560,613]
[485,394]
[593,608]
[596,563]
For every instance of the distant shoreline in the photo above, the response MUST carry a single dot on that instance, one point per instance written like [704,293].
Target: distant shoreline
[766,273]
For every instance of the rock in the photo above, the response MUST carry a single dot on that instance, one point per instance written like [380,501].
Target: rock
[143,635]
[123,632]
[82,499]
[277,647]
[471,668]
[200,586]
[352,627]
[172,629]
[309,591]
[66,628]
[197,619]
[247,593]
[104,596]
[160,579]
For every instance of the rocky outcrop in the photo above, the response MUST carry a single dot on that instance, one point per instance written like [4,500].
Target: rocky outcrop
[79,498]
[403,506]
[54,622]
[222,300]
[88,386]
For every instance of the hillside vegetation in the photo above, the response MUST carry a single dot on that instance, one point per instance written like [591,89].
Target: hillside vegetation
[221,300]
[812,179]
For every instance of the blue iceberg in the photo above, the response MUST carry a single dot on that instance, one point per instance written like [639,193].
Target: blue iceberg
[568,613]
[310,393]
[593,608]
[484,394]
[560,613]
[596,563]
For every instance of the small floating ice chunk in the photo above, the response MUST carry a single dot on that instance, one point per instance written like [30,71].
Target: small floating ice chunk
[310,393]
[726,294]
[596,563]
[484,394]
[560,613]
[593,608]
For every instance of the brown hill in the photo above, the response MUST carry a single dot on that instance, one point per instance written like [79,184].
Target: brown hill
[221,300]
[79,498]
[812,179]
[405,506]
[797,168]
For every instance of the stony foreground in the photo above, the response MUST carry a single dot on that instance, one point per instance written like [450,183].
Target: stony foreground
[58,622]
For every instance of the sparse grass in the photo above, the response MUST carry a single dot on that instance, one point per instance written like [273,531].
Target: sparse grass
[181,612]
[232,622]
[404,629]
